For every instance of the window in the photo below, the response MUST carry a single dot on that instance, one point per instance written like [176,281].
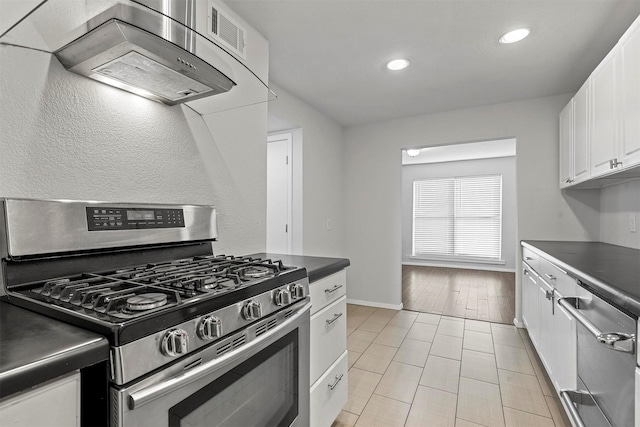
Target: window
[458,218]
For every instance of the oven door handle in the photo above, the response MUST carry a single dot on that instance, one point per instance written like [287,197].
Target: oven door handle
[567,402]
[618,341]
[148,394]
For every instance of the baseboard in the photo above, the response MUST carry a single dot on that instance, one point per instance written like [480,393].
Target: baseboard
[375,304]
[462,267]
[518,323]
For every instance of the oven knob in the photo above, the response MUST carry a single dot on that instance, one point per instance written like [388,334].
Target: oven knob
[252,310]
[297,291]
[282,297]
[175,342]
[210,327]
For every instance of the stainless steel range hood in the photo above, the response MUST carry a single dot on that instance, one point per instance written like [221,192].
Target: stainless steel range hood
[149,50]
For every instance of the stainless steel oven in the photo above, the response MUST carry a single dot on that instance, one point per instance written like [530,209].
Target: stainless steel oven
[196,339]
[264,382]
[606,363]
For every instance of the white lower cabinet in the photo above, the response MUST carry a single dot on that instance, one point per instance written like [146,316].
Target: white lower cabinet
[551,328]
[328,349]
[328,337]
[637,420]
[330,393]
[56,403]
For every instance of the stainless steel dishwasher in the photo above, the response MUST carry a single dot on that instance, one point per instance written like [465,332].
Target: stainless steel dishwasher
[606,363]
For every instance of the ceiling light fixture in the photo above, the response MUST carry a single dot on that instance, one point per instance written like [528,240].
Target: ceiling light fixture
[514,35]
[413,152]
[398,64]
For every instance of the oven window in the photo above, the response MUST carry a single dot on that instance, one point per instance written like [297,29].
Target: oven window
[260,392]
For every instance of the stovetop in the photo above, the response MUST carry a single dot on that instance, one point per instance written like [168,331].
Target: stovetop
[135,301]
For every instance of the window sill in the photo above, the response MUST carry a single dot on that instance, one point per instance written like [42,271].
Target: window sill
[460,259]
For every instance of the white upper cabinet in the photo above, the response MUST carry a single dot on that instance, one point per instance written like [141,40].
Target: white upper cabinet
[604,119]
[566,145]
[580,152]
[630,96]
[600,127]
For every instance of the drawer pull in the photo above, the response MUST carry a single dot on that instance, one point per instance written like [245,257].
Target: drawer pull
[335,288]
[335,383]
[335,317]
[528,258]
[550,276]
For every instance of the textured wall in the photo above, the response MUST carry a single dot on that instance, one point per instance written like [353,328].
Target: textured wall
[65,136]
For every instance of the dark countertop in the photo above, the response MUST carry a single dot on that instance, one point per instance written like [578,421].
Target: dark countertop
[317,267]
[612,272]
[35,348]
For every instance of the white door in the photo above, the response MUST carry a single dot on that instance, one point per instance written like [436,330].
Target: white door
[279,194]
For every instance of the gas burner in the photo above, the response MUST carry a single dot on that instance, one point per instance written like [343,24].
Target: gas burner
[146,301]
[256,272]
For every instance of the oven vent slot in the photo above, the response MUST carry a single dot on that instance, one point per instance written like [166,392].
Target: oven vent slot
[267,326]
[223,349]
[288,314]
[239,341]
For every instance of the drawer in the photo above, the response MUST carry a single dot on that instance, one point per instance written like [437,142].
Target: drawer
[328,289]
[530,258]
[328,337]
[329,394]
[557,277]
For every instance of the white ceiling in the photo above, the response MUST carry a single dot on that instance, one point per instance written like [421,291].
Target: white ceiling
[332,53]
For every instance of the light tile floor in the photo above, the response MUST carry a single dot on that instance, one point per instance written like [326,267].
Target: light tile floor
[418,369]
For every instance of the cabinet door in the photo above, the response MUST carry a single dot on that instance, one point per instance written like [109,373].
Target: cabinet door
[565,346]
[604,124]
[530,304]
[566,145]
[630,96]
[581,135]
[546,333]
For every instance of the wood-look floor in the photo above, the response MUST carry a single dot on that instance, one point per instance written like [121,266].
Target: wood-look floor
[471,294]
[410,369]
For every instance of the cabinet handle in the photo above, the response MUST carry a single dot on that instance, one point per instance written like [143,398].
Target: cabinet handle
[565,397]
[335,317]
[568,180]
[614,163]
[528,258]
[335,288]
[550,276]
[617,341]
[335,382]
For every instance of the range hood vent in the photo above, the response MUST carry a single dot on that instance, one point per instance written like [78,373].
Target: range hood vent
[123,55]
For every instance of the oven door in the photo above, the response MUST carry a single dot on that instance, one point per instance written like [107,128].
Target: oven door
[257,377]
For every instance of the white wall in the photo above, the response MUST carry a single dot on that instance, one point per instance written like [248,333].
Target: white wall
[373,178]
[322,151]
[65,136]
[506,166]
[617,204]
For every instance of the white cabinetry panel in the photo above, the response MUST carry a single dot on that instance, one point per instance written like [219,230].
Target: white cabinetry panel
[630,96]
[604,123]
[327,290]
[56,403]
[328,337]
[566,145]
[581,135]
[330,393]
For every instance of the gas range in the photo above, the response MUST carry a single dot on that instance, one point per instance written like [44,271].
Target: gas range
[144,276]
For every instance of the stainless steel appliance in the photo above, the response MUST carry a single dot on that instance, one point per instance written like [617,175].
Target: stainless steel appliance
[606,363]
[196,339]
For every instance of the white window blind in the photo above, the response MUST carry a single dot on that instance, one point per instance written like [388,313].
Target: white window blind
[458,217]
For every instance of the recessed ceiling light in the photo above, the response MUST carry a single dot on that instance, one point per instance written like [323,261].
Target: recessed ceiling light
[413,152]
[514,35]
[398,64]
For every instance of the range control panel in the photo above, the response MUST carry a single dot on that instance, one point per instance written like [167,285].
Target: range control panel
[109,218]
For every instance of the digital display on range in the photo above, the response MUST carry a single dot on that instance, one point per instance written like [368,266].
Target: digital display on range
[133,215]
[101,218]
